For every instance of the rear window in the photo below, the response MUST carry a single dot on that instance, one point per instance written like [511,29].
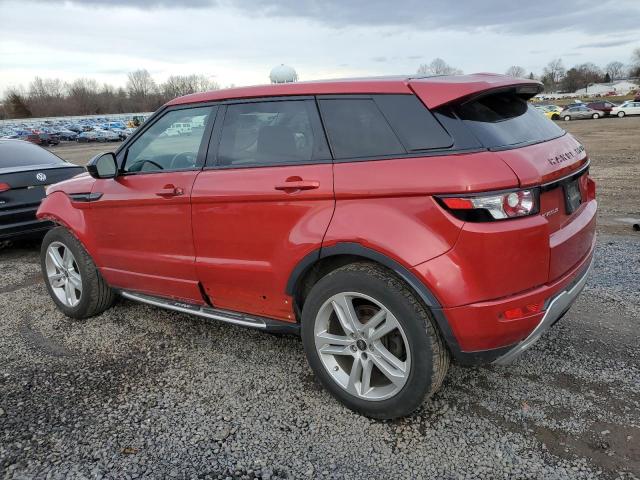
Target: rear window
[16,153]
[502,120]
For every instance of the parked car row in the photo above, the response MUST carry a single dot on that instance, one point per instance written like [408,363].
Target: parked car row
[53,132]
[593,110]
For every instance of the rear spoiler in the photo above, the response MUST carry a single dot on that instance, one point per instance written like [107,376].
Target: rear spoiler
[438,91]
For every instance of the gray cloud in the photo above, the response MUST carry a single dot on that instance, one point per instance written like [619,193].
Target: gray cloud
[606,44]
[542,16]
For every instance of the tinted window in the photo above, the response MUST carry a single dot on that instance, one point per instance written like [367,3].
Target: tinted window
[413,123]
[171,143]
[357,128]
[17,153]
[268,133]
[502,119]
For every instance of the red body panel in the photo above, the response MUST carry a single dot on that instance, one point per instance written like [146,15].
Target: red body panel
[250,236]
[387,205]
[144,241]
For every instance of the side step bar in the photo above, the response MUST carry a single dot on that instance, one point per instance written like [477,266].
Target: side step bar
[235,318]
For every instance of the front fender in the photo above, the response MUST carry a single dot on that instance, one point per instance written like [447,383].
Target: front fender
[59,208]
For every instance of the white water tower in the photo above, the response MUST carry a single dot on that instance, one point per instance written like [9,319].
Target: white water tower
[283,74]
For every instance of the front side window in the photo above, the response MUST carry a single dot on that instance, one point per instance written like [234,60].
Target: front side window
[271,133]
[171,143]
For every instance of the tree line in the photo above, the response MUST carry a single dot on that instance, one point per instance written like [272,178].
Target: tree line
[53,97]
[555,76]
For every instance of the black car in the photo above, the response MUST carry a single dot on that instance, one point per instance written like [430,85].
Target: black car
[25,171]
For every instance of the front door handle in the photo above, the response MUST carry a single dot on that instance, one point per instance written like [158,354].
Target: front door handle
[169,191]
[296,184]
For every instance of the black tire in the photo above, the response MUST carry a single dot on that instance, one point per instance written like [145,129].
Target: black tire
[429,356]
[566,118]
[621,114]
[595,116]
[96,296]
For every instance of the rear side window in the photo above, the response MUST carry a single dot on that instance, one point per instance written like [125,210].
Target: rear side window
[502,120]
[416,127]
[16,153]
[271,133]
[357,128]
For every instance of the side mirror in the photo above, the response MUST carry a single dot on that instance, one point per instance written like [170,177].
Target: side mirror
[103,165]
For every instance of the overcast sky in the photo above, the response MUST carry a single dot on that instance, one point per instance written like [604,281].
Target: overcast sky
[238,42]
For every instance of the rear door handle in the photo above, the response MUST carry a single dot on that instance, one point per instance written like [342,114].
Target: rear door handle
[297,184]
[169,191]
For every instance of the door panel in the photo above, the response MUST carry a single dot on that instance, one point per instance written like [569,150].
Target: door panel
[143,234]
[142,221]
[250,234]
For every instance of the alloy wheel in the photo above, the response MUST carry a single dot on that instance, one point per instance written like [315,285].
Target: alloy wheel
[63,274]
[362,346]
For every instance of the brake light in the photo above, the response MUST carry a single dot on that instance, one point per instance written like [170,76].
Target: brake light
[496,206]
[4,187]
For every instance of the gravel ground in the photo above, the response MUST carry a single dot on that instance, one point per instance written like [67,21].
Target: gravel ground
[143,392]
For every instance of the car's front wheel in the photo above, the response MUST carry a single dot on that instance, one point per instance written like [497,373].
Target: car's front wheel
[595,116]
[620,114]
[567,118]
[73,281]
[371,342]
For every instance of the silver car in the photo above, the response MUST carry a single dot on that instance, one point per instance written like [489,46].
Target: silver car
[579,112]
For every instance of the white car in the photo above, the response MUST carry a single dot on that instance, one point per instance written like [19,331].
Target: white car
[627,108]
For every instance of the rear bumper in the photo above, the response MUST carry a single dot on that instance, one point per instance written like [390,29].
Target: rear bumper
[483,336]
[557,307]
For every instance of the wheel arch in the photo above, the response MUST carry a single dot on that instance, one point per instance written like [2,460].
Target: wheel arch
[320,262]
[325,259]
[58,208]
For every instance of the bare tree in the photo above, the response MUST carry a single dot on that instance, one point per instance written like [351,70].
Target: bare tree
[178,85]
[616,70]
[142,89]
[516,71]
[438,67]
[553,73]
[83,96]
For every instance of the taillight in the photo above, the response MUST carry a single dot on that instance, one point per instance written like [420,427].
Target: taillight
[493,206]
[4,187]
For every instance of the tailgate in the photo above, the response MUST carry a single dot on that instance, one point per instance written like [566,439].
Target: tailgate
[560,167]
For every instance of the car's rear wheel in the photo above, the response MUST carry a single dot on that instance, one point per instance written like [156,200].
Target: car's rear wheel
[595,116]
[371,342]
[72,279]
[620,114]
[567,118]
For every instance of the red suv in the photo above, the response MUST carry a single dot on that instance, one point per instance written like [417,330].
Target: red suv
[394,223]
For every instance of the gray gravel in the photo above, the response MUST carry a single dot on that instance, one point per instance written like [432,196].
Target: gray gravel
[144,393]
